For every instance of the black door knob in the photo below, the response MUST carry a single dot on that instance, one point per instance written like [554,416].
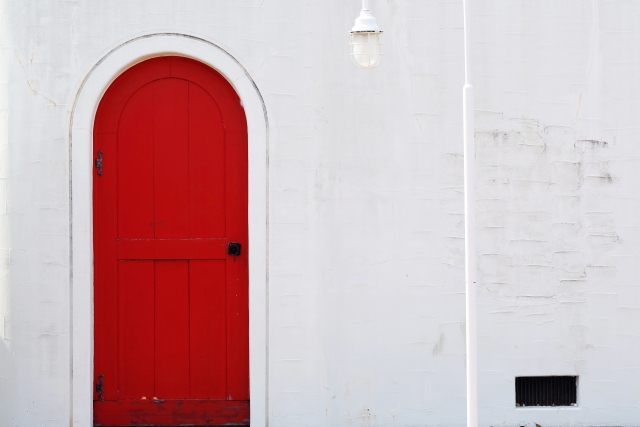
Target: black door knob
[234,248]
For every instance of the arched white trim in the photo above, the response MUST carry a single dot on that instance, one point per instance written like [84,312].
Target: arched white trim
[83,111]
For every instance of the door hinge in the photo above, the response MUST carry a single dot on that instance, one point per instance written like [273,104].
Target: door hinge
[99,163]
[100,387]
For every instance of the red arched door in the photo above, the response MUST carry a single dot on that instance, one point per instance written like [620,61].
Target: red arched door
[169,208]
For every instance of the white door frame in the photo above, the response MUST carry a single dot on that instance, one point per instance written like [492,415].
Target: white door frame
[83,109]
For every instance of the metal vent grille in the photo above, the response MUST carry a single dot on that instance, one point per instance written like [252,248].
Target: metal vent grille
[546,391]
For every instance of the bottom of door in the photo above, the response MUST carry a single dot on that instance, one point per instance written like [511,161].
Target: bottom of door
[161,412]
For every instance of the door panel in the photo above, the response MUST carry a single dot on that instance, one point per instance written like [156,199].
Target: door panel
[208,341]
[172,329]
[206,165]
[135,145]
[136,292]
[171,306]
[237,290]
[171,158]
[105,271]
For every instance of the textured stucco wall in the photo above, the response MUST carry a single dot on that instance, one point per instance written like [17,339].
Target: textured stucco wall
[366,227]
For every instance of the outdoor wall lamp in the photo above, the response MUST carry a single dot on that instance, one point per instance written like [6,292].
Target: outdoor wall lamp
[365,47]
[366,52]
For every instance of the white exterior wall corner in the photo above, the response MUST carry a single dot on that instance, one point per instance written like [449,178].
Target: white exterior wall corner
[7,377]
[366,311]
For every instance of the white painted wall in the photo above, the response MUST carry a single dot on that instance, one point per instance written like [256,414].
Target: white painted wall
[366,249]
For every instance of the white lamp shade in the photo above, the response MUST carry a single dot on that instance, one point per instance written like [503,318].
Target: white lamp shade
[366,49]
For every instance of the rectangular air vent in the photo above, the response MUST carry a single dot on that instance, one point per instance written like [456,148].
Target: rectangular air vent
[546,391]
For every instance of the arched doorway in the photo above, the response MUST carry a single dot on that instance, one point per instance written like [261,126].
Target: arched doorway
[170,248]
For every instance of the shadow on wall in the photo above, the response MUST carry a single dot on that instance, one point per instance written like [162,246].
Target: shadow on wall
[7,386]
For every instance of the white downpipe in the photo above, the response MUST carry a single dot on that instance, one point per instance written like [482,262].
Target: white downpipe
[470,228]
